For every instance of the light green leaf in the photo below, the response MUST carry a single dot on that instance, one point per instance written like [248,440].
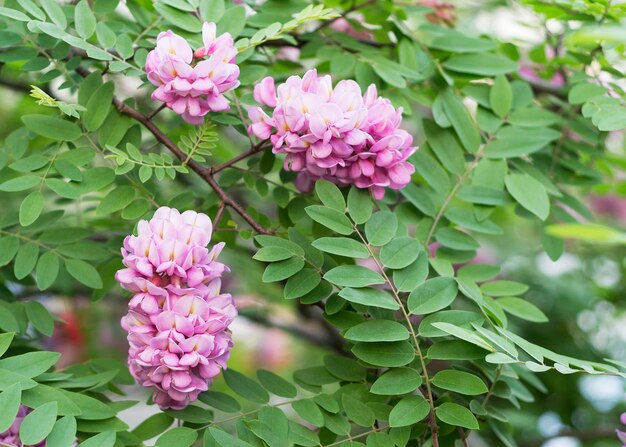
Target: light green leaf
[308,410]
[302,283]
[342,246]
[377,330]
[330,218]
[40,318]
[387,354]
[222,438]
[233,21]
[359,205]
[276,384]
[397,381]
[181,19]
[52,127]
[281,270]
[20,183]
[357,411]
[31,208]
[106,439]
[593,233]
[522,309]
[461,120]
[353,276]
[501,96]
[25,260]
[38,424]
[63,433]
[413,275]
[84,273]
[456,415]
[481,64]
[433,295]
[455,239]
[5,341]
[400,252]
[98,106]
[57,15]
[460,318]
[460,382]
[84,19]
[10,404]
[117,199]
[381,228]
[369,297]
[330,195]
[177,437]
[409,411]
[529,193]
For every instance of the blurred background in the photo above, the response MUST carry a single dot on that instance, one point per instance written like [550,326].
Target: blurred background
[582,293]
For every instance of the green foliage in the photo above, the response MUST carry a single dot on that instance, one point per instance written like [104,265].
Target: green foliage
[422,342]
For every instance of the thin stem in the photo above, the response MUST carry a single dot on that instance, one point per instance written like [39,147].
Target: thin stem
[418,351]
[155,112]
[493,385]
[259,147]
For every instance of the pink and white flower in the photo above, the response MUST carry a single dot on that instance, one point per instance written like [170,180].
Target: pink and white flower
[192,91]
[178,320]
[334,133]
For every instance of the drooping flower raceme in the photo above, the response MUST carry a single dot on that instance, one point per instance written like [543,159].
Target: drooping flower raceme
[193,90]
[11,437]
[178,320]
[337,133]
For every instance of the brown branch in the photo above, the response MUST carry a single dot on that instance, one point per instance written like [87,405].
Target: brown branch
[205,173]
[259,147]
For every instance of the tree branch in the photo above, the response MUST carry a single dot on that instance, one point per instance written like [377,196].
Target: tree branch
[205,173]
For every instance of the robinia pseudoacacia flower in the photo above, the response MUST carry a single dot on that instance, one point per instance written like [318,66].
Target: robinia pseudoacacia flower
[337,134]
[178,320]
[193,91]
[11,437]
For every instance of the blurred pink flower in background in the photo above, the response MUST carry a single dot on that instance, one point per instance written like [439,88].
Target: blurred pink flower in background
[11,437]
[342,25]
[611,206]
[178,320]
[193,91]
[334,133]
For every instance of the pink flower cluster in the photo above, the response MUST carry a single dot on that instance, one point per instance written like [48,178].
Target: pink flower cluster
[337,133]
[193,91]
[11,437]
[178,320]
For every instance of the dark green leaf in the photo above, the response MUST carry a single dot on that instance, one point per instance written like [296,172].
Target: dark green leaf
[281,270]
[276,384]
[40,318]
[330,218]
[342,246]
[370,297]
[84,273]
[456,415]
[460,382]
[390,355]
[353,276]
[433,295]
[396,382]
[245,387]
[302,283]
[461,120]
[377,330]
[408,411]
[177,437]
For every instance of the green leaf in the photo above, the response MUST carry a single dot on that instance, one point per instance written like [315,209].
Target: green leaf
[38,424]
[20,183]
[272,254]
[10,404]
[276,384]
[397,381]
[14,14]
[273,241]
[357,411]
[529,193]
[233,21]
[106,439]
[84,19]
[52,127]
[522,309]
[459,382]
[84,273]
[392,354]
[40,318]
[369,297]
[381,228]
[30,364]
[308,410]
[57,15]
[501,96]
[400,252]
[182,20]
[342,246]
[98,106]
[302,283]
[245,387]
[220,401]
[330,195]
[456,415]
[5,342]
[455,239]
[281,270]
[464,334]
[461,120]
[514,141]
[211,10]
[8,248]
[594,233]
[433,295]
[63,433]
[377,330]
[25,260]
[583,92]
[533,117]
[345,368]
[413,275]
[116,200]
[409,411]
[31,208]
[353,276]
[330,218]
[457,42]
[359,205]
[481,64]
[222,438]
[177,437]
[460,318]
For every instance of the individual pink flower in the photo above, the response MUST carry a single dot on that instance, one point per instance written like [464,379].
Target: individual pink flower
[11,437]
[334,133]
[193,91]
[178,319]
